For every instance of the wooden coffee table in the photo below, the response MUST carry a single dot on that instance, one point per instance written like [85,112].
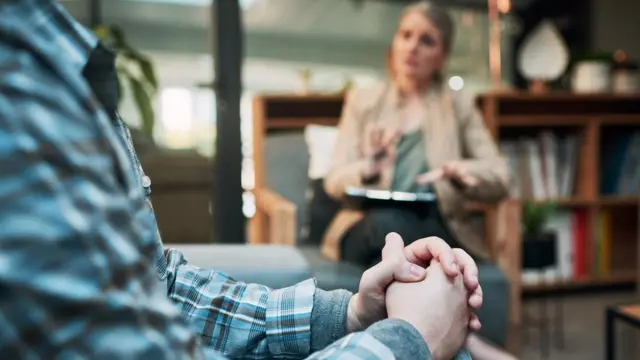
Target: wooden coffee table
[627,313]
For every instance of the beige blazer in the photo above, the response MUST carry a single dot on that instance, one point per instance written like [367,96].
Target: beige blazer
[453,130]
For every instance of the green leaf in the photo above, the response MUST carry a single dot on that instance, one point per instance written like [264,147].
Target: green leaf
[145,65]
[102,32]
[535,217]
[149,73]
[144,103]
[119,39]
[120,89]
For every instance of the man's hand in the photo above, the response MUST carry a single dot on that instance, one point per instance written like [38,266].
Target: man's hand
[437,307]
[455,171]
[408,265]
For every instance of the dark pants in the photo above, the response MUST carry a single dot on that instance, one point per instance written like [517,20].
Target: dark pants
[363,244]
[364,241]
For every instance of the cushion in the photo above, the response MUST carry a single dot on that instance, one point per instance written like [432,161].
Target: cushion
[330,274]
[320,144]
[275,266]
[494,313]
[286,164]
[321,208]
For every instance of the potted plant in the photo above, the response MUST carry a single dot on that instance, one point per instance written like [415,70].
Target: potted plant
[135,71]
[539,244]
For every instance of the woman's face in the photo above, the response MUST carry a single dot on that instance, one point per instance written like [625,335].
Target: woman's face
[417,50]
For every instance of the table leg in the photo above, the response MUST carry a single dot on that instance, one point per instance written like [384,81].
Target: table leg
[610,335]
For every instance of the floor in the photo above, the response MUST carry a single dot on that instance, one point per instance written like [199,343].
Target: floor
[584,330]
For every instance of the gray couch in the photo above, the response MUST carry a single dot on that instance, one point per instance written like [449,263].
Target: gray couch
[286,159]
[184,194]
[279,266]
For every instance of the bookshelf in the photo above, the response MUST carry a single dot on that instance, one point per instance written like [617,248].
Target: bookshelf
[607,209]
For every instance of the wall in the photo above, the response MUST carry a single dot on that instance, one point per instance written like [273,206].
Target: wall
[616,25]
[328,32]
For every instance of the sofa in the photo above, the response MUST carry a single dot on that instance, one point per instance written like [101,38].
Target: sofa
[292,145]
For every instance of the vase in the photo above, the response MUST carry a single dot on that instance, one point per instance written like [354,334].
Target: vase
[540,251]
[543,56]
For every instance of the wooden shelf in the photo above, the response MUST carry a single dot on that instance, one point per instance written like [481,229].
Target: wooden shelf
[618,278]
[620,200]
[287,123]
[619,120]
[542,121]
[571,202]
[560,96]
[595,120]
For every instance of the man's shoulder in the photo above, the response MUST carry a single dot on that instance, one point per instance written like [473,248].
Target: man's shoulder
[37,102]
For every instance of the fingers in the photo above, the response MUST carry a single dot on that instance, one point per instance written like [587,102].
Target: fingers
[390,137]
[393,253]
[378,138]
[368,146]
[456,170]
[393,248]
[476,298]
[468,267]
[474,322]
[430,177]
[467,180]
[470,276]
[422,251]
[393,266]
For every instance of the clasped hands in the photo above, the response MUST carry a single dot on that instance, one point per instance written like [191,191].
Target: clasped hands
[427,284]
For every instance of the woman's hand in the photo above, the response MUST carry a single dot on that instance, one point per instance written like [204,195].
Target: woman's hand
[454,171]
[379,148]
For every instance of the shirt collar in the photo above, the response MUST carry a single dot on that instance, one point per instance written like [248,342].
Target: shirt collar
[38,22]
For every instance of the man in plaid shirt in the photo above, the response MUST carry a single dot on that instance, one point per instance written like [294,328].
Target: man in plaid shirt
[79,242]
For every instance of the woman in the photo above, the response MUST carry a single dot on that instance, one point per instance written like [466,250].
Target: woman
[411,134]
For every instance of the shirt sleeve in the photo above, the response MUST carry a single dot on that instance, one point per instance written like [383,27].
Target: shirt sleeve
[242,320]
[76,277]
[385,340]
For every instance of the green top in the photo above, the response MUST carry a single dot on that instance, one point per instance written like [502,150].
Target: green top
[410,162]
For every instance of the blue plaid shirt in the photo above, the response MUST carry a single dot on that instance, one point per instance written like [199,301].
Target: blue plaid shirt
[83,273]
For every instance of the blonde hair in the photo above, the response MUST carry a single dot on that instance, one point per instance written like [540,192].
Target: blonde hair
[441,19]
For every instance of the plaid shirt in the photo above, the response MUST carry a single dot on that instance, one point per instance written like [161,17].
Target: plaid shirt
[78,239]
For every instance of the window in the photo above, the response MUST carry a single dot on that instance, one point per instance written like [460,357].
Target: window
[187,119]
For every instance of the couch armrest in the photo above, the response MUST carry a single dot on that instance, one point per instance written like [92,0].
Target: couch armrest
[504,239]
[275,266]
[507,251]
[275,219]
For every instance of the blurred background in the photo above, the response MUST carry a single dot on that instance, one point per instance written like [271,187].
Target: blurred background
[554,72]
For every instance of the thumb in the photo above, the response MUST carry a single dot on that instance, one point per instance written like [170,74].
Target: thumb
[393,266]
[393,249]
[393,253]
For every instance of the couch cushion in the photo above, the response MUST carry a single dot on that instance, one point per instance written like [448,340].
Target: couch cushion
[275,266]
[286,163]
[320,144]
[332,275]
[494,313]
[321,209]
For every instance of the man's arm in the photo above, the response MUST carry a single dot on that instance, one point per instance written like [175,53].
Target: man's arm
[242,320]
[75,279]
[252,321]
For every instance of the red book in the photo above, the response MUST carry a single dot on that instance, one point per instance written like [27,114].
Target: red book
[579,227]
